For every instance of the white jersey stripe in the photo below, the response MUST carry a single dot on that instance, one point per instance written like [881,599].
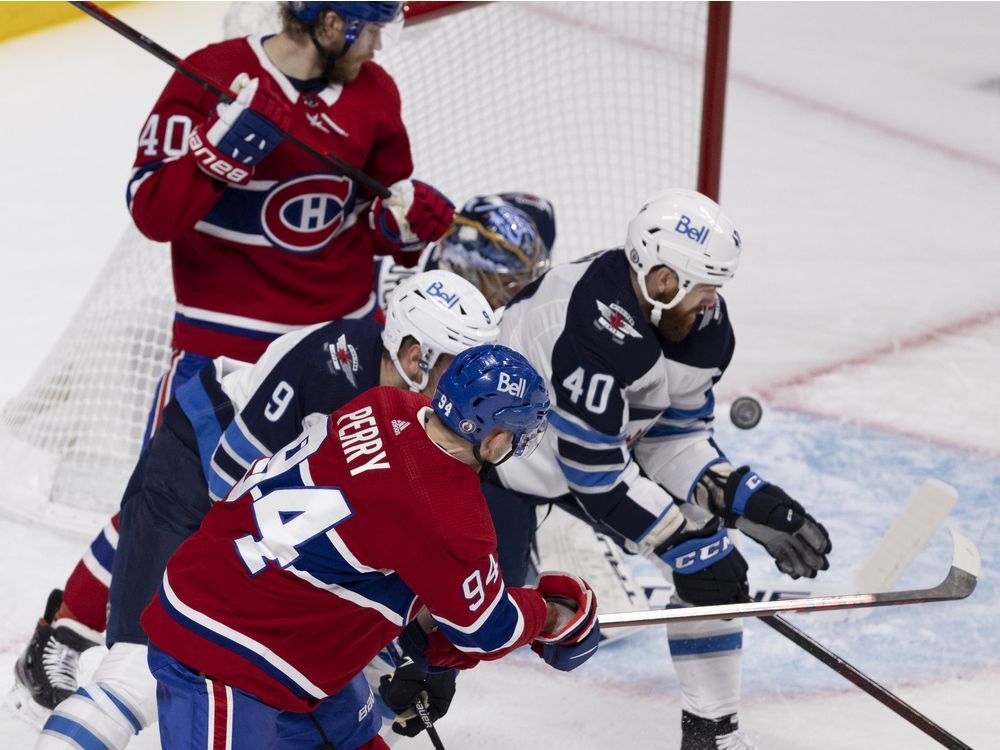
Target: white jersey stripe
[241,639]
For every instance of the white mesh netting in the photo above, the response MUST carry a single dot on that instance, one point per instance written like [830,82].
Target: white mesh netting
[596,106]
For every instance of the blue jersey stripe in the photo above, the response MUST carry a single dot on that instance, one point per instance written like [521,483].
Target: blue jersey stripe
[701,412]
[223,328]
[662,430]
[200,410]
[139,175]
[581,478]
[581,433]
[493,634]
[238,442]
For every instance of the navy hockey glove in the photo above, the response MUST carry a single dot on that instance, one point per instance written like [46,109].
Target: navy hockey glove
[415,214]
[410,683]
[238,135]
[708,569]
[574,637]
[764,512]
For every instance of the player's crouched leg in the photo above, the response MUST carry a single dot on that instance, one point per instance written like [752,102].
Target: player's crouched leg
[348,720]
[117,703]
[195,711]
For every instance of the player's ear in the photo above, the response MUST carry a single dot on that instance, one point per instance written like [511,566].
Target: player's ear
[330,24]
[662,282]
[409,357]
[497,444]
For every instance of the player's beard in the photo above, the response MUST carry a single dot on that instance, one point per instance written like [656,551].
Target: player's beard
[347,68]
[676,324]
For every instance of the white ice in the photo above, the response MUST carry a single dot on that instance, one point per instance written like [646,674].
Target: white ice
[862,164]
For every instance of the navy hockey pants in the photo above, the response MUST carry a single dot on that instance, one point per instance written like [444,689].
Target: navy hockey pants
[164,503]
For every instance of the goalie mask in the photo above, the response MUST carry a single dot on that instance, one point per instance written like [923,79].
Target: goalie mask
[687,232]
[444,313]
[496,245]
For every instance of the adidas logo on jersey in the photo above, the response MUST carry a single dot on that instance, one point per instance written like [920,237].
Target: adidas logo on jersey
[398,425]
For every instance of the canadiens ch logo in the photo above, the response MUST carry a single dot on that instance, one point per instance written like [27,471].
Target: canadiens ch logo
[617,321]
[344,358]
[304,214]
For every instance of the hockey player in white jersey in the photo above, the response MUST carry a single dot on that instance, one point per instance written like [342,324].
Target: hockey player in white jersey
[631,341]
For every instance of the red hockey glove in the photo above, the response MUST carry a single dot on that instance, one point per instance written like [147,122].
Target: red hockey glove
[238,135]
[412,216]
[575,636]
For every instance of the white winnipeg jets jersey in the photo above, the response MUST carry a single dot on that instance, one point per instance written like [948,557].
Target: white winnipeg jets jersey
[630,427]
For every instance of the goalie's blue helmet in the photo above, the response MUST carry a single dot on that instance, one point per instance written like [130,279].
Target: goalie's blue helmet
[355,15]
[489,387]
[497,244]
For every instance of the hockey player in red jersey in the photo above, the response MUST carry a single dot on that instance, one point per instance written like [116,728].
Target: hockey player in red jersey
[264,238]
[366,526]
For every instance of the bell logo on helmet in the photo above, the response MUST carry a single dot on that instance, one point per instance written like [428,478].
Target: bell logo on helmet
[437,290]
[507,385]
[698,234]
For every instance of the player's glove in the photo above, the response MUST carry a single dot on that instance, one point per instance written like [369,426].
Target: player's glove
[764,512]
[708,569]
[574,637]
[410,683]
[238,135]
[412,216]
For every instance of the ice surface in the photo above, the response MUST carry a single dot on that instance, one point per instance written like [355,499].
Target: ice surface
[862,165]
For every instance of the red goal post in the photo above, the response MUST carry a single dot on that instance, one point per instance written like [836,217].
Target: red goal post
[596,106]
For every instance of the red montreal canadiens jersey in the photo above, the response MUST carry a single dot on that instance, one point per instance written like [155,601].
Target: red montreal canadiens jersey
[290,248]
[322,553]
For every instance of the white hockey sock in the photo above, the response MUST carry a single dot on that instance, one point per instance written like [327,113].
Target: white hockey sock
[708,657]
[83,721]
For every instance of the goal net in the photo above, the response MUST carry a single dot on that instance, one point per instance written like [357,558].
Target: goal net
[596,106]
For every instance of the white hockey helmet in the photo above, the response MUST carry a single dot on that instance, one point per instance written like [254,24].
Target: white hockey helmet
[687,232]
[444,313]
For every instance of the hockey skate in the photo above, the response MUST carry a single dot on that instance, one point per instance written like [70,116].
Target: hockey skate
[713,734]
[46,673]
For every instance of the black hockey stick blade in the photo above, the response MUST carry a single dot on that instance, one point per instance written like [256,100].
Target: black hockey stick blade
[958,584]
[181,66]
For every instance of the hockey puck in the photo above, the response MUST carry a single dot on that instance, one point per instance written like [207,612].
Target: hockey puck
[745,412]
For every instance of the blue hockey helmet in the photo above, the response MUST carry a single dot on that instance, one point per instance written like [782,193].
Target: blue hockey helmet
[495,244]
[489,387]
[355,14]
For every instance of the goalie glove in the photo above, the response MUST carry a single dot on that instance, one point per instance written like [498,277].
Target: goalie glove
[574,636]
[415,214]
[238,135]
[707,568]
[764,512]
[408,684]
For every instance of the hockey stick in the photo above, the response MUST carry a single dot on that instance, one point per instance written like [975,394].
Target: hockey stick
[866,683]
[926,510]
[425,717]
[958,584]
[113,22]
